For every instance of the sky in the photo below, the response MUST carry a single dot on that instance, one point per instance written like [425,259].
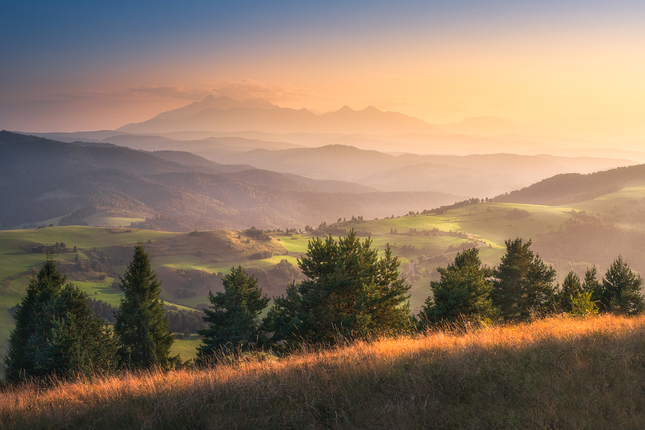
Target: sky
[572,67]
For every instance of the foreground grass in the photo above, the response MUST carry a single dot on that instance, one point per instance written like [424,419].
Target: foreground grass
[556,373]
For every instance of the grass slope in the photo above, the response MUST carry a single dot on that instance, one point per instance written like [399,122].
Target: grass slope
[560,373]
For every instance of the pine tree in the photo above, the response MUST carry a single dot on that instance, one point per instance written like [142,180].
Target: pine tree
[141,324]
[462,293]
[571,289]
[233,315]
[591,284]
[523,286]
[56,331]
[20,359]
[348,290]
[74,340]
[620,291]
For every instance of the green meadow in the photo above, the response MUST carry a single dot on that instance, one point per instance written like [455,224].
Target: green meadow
[486,224]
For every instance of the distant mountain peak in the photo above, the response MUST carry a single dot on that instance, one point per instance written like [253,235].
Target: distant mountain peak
[225,114]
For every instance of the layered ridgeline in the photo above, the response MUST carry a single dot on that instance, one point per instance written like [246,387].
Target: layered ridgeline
[99,183]
[225,114]
[50,182]
[575,236]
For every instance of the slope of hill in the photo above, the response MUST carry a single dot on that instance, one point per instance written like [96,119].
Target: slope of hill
[570,188]
[559,373]
[570,237]
[45,181]
[471,175]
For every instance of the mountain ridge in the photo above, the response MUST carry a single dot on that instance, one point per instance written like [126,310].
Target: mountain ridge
[228,115]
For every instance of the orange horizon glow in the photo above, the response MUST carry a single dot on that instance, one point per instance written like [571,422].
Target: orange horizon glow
[569,72]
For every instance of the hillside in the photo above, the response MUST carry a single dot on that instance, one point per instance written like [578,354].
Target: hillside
[49,182]
[571,188]
[570,237]
[471,175]
[555,373]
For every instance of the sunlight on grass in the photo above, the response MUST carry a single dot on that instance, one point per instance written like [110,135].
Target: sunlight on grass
[554,373]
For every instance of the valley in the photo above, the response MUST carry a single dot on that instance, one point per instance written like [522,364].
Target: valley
[570,237]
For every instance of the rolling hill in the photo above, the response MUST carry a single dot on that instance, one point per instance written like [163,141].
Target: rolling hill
[571,188]
[45,181]
[574,236]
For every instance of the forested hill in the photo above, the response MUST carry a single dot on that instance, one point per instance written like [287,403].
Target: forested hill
[573,187]
[44,181]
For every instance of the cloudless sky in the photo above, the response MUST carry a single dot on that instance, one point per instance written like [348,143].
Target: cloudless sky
[573,66]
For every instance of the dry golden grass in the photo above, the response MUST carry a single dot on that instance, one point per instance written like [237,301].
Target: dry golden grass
[554,373]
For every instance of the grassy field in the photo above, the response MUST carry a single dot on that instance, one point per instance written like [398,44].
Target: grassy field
[186,348]
[210,253]
[559,373]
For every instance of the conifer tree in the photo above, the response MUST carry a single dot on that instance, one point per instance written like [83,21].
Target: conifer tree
[56,331]
[141,324]
[233,315]
[462,293]
[620,291]
[348,290]
[73,340]
[523,286]
[591,284]
[571,289]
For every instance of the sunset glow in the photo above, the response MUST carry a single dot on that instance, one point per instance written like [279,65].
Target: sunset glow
[569,68]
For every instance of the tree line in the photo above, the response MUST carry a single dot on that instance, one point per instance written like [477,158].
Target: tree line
[348,291]
[523,288]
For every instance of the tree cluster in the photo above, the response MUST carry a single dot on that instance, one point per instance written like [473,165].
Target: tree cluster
[347,290]
[523,288]
[58,334]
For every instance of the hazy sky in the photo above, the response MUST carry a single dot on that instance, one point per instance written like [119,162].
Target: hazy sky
[572,66]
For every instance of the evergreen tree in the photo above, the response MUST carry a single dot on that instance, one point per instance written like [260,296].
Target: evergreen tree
[523,286]
[571,289]
[233,315]
[591,284]
[56,331]
[462,293]
[20,360]
[620,291]
[75,339]
[348,290]
[141,324]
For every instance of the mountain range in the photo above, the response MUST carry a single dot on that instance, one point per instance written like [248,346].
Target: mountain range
[227,115]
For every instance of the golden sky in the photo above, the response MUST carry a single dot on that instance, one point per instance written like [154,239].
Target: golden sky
[574,68]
